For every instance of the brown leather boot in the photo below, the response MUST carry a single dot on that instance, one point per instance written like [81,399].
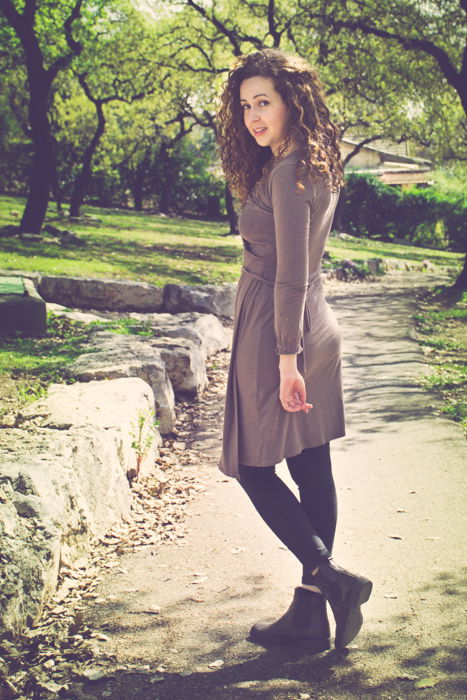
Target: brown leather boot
[305,621]
[345,592]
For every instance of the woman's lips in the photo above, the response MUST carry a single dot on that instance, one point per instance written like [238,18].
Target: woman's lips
[259,130]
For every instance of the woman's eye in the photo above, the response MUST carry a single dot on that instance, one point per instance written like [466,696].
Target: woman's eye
[263,103]
[245,107]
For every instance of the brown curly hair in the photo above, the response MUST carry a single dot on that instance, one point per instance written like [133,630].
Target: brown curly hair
[309,124]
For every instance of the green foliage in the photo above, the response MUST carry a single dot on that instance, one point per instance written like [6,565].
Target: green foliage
[425,217]
[441,324]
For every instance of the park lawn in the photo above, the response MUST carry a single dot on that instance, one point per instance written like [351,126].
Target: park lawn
[441,324]
[160,250]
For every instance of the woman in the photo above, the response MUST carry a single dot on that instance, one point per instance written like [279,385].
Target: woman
[280,155]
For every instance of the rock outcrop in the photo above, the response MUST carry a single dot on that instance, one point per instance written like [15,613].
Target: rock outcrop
[208,298]
[64,480]
[86,293]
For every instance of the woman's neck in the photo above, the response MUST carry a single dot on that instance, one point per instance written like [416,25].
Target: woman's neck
[292,146]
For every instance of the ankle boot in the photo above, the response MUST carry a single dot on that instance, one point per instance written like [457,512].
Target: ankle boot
[345,592]
[305,621]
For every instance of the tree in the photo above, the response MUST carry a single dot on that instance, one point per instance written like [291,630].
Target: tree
[357,46]
[40,79]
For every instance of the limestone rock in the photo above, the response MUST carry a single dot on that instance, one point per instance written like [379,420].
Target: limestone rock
[119,356]
[74,315]
[206,330]
[117,405]
[62,488]
[87,293]
[209,298]
[185,365]
[63,483]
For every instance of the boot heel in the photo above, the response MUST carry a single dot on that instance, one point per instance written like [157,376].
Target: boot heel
[315,646]
[360,595]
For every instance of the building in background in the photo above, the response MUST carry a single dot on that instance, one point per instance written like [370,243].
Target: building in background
[388,162]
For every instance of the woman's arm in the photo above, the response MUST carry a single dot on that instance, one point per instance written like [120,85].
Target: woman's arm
[291,210]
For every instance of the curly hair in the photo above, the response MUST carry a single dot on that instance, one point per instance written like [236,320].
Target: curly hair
[309,124]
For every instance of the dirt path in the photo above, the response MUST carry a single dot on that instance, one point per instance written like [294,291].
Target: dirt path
[177,617]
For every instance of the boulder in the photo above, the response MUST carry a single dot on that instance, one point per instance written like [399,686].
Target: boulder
[118,356]
[117,405]
[64,483]
[205,330]
[185,365]
[87,293]
[208,298]
[82,316]
[375,266]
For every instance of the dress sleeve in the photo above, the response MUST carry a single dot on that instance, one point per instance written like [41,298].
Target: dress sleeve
[291,211]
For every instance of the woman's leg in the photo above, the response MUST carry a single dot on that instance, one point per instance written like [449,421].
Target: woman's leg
[286,517]
[312,472]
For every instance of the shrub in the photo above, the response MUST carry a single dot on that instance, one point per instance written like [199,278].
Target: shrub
[425,216]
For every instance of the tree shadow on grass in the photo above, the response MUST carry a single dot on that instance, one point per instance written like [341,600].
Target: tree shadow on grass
[135,260]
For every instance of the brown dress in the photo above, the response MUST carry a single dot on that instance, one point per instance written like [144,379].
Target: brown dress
[280,308]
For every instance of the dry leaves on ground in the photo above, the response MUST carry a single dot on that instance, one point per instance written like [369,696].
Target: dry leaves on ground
[59,648]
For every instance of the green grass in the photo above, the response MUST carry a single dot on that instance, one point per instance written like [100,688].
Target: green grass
[29,365]
[441,324]
[160,250]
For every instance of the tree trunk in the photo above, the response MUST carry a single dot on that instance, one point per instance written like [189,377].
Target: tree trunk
[84,176]
[138,181]
[40,81]
[43,163]
[461,281]
[138,193]
[167,182]
[337,221]
[231,213]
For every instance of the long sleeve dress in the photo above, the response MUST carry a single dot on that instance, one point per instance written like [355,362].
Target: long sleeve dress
[280,308]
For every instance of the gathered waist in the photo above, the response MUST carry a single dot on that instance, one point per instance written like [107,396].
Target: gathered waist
[312,284]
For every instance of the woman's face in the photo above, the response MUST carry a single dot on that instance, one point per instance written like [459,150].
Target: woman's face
[264,111]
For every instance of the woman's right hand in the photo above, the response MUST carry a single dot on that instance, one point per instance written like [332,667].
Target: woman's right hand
[292,392]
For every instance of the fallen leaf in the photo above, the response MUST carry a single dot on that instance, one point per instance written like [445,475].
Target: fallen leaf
[51,686]
[407,677]
[157,679]
[93,674]
[425,683]
[216,664]
[396,537]
[102,637]
[184,674]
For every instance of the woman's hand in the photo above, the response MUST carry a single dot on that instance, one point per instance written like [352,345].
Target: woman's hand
[292,392]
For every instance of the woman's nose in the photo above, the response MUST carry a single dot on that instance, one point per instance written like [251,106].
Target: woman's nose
[252,115]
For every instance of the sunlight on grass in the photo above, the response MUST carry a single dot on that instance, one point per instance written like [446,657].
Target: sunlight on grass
[441,324]
[160,250]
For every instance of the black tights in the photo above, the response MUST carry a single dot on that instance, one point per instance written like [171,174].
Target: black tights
[307,527]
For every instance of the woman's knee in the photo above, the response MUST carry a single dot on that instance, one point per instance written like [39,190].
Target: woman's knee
[250,476]
[311,464]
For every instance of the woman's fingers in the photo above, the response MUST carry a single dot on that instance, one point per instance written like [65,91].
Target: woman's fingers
[292,394]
